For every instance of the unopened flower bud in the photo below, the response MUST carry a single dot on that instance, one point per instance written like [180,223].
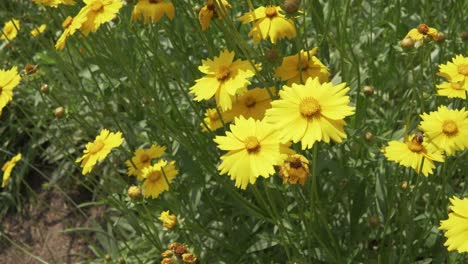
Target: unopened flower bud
[122,260]
[369,136]
[271,55]
[440,37]
[59,112]
[30,69]
[368,90]
[291,6]
[404,185]
[374,221]
[197,9]
[407,43]
[464,35]
[45,88]
[134,192]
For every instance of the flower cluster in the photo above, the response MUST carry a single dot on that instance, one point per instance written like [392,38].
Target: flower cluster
[309,108]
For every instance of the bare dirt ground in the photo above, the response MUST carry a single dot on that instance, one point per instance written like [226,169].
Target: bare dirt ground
[39,231]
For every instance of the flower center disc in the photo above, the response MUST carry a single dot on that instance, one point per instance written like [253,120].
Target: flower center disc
[252,145]
[457,86]
[210,6]
[223,73]
[415,146]
[423,29]
[96,147]
[463,69]
[449,128]
[154,176]
[213,116]
[67,22]
[271,12]
[144,158]
[154,1]
[304,63]
[309,107]
[97,6]
[296,163]
[250,102]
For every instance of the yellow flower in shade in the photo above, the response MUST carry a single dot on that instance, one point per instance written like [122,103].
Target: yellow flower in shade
[38,30]
[254,149]
[311,112]
[270,23]
[456,226]
[453,89]
[142,159]
[169,221]
[99,149]
[98,12]
[253,103]
[70,25]
[292,70]
[209,11]
[414,153]
[224,78]
[152,10]
[213,121]
[422,32]
[8,167]
[295,169]
[54,3]
[9,79]
[455,71]
[10,30]
[157,178]
[447,129]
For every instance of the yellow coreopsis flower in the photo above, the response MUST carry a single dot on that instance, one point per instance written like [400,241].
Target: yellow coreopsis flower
[142,159]
[455,71]
[254,148]
[311,112]
[422,32]
[209,11]
[453,89]
[270,23]
[213,121]
[98,12]
[38,30]
[153,10]
[253,103]
[446,128]
[99,149]
[309,66]
[295,169]
[169,221]
[414,153]
[10,30]
[8,167]
[157,178]
[223,79]
[9,79]
[54,3]
[70,25]
[456,226]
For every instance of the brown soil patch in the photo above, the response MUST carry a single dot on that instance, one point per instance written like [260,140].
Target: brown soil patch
[40,232]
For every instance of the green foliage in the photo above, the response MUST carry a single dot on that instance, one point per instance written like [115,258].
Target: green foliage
[135,78]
